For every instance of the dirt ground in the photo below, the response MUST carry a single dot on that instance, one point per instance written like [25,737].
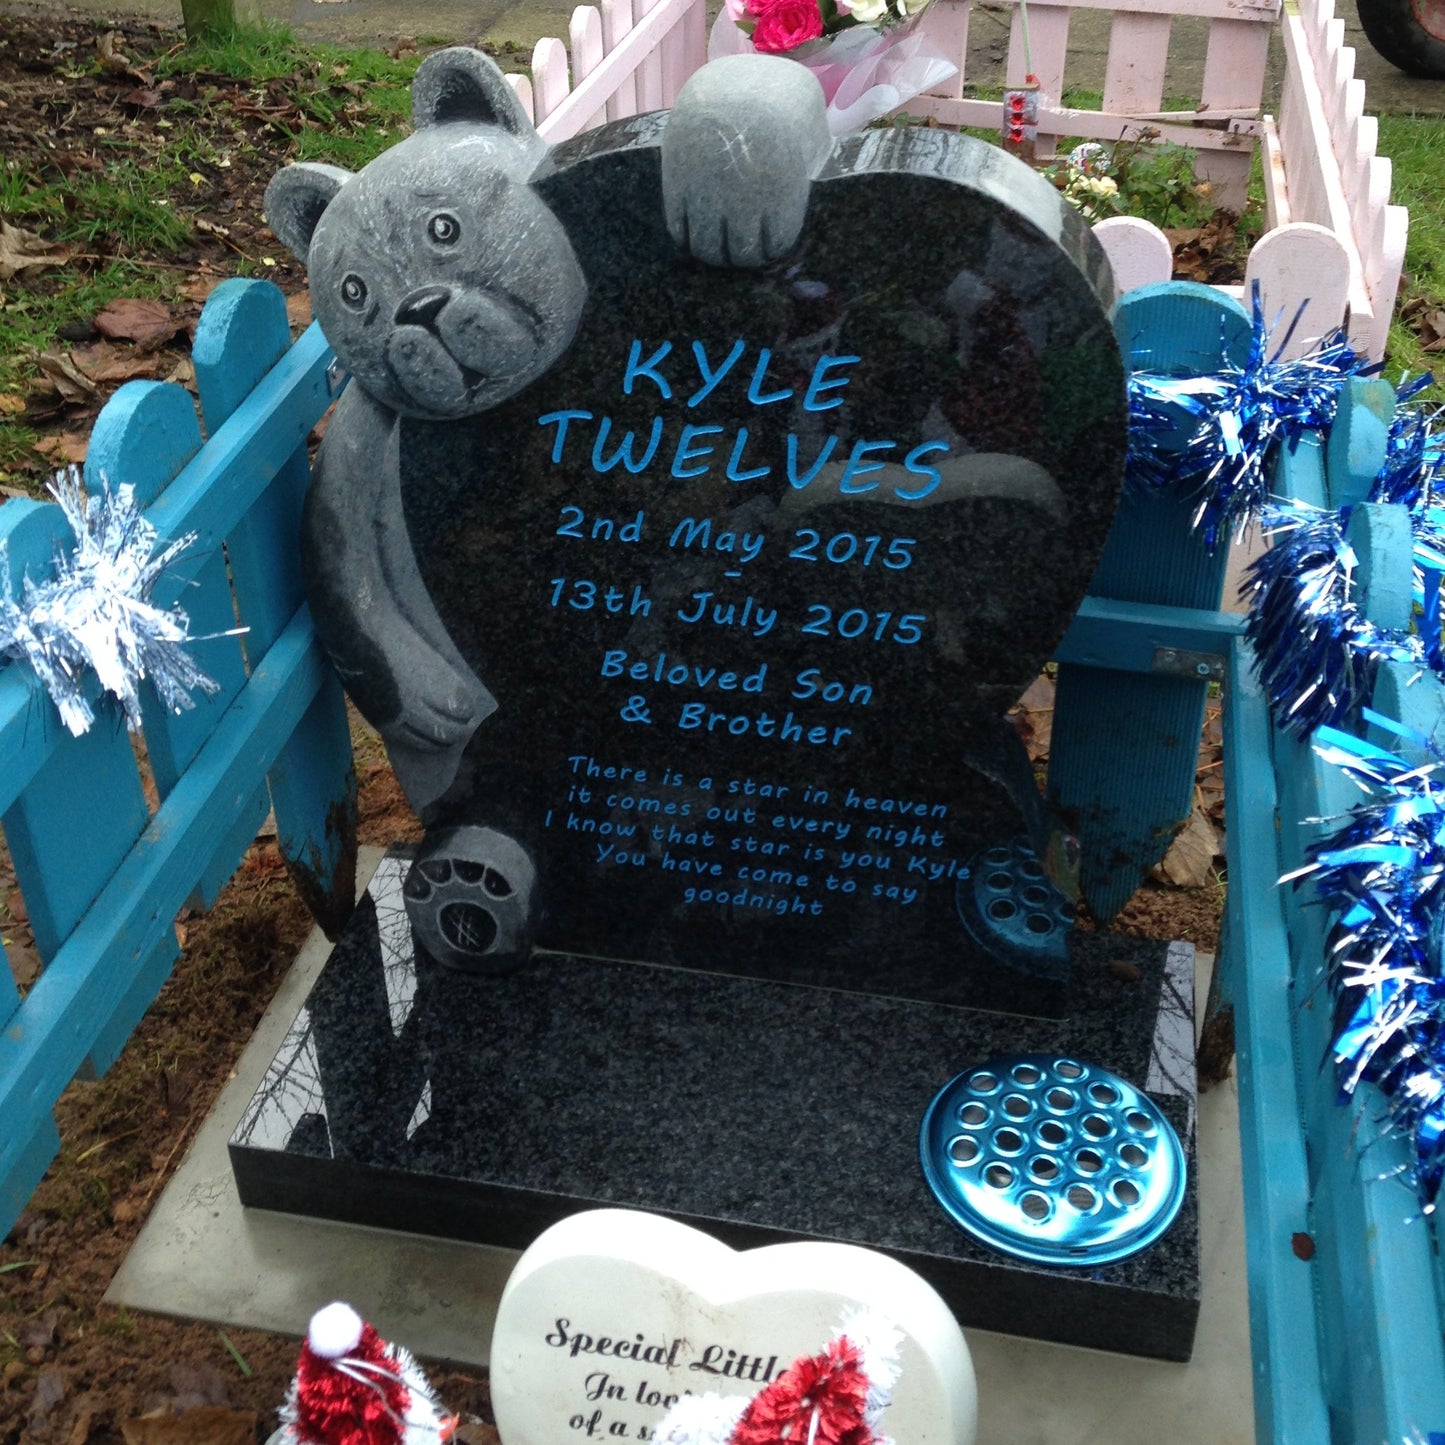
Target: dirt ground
[73,1372]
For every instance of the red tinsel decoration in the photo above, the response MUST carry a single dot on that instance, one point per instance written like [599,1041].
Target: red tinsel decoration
[336,1408]
[831,1386]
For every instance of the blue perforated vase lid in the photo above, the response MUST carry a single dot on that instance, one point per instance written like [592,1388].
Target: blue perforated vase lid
[1053,1160]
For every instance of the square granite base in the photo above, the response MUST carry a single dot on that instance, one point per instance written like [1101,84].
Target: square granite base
[410,1097]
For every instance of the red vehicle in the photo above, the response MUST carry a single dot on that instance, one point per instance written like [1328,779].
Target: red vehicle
[1408,33]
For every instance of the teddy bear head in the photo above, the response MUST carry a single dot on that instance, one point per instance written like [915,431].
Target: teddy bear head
[437,273]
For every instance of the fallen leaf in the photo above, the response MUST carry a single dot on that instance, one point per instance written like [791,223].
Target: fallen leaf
[24,962]
[22,250]
[1033,718]
[1189,863]
[204,1425]
[183,373]
[476,1434]
[66,377]
[144,99]
[104,362]
[200,287]
[298,311]
[49,1392]
[11,405]
[198,1385]
[1183,235]
[147,323]
[40,1331]
[115,60]
[62,449]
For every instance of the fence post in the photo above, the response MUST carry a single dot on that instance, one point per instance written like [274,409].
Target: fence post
[1126,745]
[243,333]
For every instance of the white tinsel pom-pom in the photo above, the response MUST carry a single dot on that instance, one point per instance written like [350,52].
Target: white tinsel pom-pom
[701,1420]
[334,1331]
[878,1341]
[94,613]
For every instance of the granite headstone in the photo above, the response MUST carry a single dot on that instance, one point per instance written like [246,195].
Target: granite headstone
[691,611]
[704,495]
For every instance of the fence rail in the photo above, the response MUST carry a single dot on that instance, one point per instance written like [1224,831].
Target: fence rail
[1346,1290]
[1222,126]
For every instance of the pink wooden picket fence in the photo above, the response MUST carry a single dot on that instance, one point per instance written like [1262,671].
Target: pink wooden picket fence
[1334,241]
[1222,126]
[1322,167]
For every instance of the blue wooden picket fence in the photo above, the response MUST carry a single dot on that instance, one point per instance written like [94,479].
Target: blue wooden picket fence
[103,879]
[1347,1293]
[1347,1343]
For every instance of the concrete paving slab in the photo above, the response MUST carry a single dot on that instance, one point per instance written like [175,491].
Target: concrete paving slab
[201,1256]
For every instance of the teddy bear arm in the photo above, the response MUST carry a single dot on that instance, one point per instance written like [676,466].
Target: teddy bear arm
[745,139]
[372,613]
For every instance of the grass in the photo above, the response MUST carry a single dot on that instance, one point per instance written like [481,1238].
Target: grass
[1416,148]
[119,206]
[326,104]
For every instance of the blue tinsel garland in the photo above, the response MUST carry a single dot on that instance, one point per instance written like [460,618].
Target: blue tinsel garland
[1382,874]
[1234,423]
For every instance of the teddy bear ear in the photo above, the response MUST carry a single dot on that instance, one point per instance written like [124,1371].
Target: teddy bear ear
[295,199]
[461,84]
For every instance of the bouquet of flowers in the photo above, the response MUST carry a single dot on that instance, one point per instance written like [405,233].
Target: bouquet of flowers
[869,55]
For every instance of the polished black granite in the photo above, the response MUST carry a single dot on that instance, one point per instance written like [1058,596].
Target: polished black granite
[755,570]
[412,1097]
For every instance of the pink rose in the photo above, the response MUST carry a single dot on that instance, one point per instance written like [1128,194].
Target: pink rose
[785,24]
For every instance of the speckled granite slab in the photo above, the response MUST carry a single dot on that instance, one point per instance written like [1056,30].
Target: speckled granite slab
[413,1097]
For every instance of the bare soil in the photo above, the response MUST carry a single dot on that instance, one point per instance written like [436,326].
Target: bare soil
[72,1371]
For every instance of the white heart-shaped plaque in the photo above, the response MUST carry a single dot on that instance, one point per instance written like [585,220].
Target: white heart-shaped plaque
[612,1315]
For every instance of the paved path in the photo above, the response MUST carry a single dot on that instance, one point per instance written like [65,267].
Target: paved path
[522,22]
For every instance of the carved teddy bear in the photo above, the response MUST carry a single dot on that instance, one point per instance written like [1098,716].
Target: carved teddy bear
[446,286]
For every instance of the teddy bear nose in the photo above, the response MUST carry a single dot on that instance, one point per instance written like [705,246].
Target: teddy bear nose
[422,307]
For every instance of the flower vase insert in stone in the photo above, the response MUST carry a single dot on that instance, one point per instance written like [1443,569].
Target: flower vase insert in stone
[704,496]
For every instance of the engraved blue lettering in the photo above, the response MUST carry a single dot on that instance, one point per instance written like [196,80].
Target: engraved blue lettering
[935,477]
[755,391]
[712,378]
[561,418]
[793,478]
[821,382]
[857,467]
[636,368]
[735,461]
[623,454]
[686,452]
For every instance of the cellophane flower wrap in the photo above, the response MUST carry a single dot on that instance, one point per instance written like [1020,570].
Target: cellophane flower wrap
[870,56]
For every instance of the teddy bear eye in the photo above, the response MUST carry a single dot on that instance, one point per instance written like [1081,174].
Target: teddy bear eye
[353,290]
[444,229]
